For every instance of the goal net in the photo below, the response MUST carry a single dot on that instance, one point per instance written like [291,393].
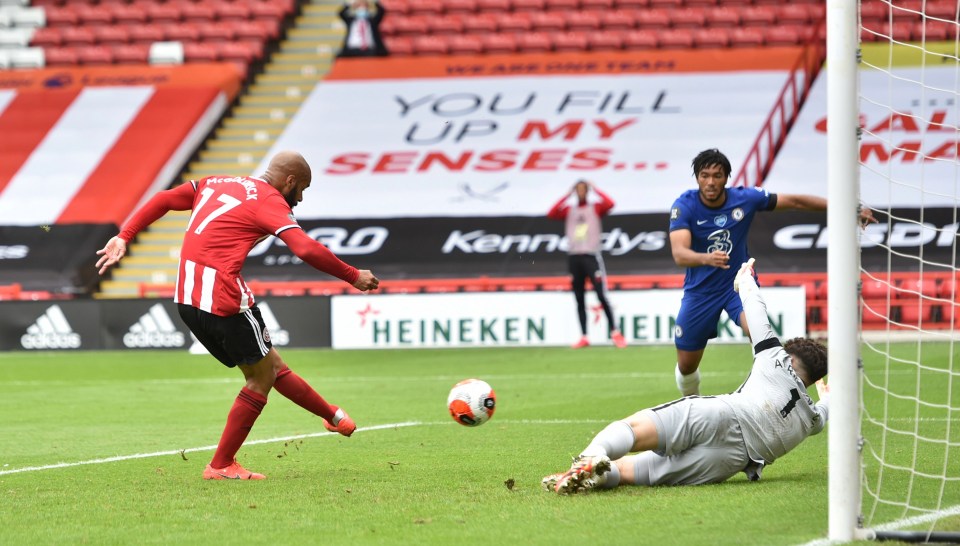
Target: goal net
[906,395]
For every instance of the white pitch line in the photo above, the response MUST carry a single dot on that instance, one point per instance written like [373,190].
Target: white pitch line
[120,458]
[898,524]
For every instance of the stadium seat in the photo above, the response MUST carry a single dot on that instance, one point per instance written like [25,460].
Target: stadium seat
[270,10]
[947,289]
[874,312]
[567,6]
[200,52]
[183,32]
[445,24]
[429,45]
[570,41]
[597,5]
[640,39]
[493,6]
[78,36]
[166,53]
[60,56]
[94,15]
[465,45]
[676,38]
[907,288]
[605,40]
[688,17]
[61,16]
[723,16]
[232,11]
[47,36]
[916,312]
[534,42]
[147,34]
[111,34]
[792,14]
[899,32]
[582,21]
[242,52]
[871,289]
[655,19]
[946,10]
[873,11]
[499,43]
[163,13]
[548,21]
[706,38]
[514,22]
[252,30]
[425,7]
[216,32]
[395,8]
[700,3]
[131,53]
[534,6]
[746,37]
[480,23]
[631,4]
[784,35]
[197,12]
[399,46]
[666,4]
[619,19]
[128,13]
[907,10]
[932,30]
[462,7]
[94,55]
[758,16]
[410,26]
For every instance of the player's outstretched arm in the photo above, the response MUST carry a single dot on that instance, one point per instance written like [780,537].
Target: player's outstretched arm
[321,258]
[753,304]
[111,253]
[681,247]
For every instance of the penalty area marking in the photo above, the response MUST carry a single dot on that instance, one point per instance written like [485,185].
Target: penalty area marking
[120,458]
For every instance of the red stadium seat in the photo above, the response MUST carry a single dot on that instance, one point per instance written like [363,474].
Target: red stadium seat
[933,30]
[216,32]
[60,56]
[94,15]
[430,45]
[112,34]
[758,16]
[784,35]
[395,7]
[499,43]
[200,52]
[792,14]
[570,41]
[270,10]
[410,26]
[688,17]
[128,13]
[250,30]
[597,5]
[465,45]
[898,31]
[706,38]
[548,21]
[95,55]
[916,312]
[605,40]
[425,7]
[908,287]
[242,52]
[480,23]
[399,46]
[723,16]
[78,36]
[445,24]
[948,289]
[907,10]
[163,13]
[232,11]
[147,34]
[700,3]
[583,21]
[534,42]
[746,37]
[666,4]
[618,19]
[874,289]
[461,6]
[62,16]
[197,13]
[183,32]
[534,6]
[676,38]
[946,10]
[641,39]
[873,11]
[655,19]
[514,22]
[46,37]
[493,6]
[563,5]
[874,312]
[631,4]
[131,54]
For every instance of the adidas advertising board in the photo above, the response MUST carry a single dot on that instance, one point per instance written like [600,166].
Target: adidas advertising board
[50,326]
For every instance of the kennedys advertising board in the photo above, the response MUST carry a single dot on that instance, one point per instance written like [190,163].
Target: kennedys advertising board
[507,135]
[529,319]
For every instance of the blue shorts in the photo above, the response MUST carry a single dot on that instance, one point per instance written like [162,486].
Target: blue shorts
[699,315]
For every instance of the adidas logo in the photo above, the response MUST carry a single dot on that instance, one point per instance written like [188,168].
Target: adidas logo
[278,335]
[50,331]
[154,329]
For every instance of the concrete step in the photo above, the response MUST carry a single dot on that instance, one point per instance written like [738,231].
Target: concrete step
[267,135]
[296,89]
[282,58]
[316,34]
[207,168]
[161,238]
[255,123]
[319,21]
[267,112]
[145,276]
[285,79]
[326,46]
[270,100]
[313,70]
[118,289]
[138,261]
[239,145]
[226,156]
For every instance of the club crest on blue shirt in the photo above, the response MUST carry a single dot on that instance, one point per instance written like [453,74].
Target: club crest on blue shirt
[675,213]
[737,214]
[720,220]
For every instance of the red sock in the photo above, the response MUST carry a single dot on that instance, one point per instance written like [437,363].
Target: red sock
[302,394]
[246,408]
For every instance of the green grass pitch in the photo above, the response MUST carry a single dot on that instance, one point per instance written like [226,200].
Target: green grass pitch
[414,477]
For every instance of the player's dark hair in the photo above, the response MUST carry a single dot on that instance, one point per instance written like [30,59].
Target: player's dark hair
[811,353]
[710,158]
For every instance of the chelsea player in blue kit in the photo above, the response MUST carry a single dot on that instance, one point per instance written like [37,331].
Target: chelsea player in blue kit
[708,232]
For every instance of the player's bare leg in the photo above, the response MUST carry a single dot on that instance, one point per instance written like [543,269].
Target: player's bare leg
[688,371]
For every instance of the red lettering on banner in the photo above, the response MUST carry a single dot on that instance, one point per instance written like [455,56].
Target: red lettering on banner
[948,150]
[901,121]
[594,158]
[897,122]
[397,162]
[907,152]
[606,131]
[544,160]
[439,157]
[498,160]
[569,130]
[348,163]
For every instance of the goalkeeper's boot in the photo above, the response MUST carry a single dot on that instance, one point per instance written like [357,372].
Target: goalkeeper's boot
[232,471]
[549,483]
[586,473]
[345,424]
[746,270]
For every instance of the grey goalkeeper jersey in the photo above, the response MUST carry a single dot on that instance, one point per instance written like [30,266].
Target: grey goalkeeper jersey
[773,407]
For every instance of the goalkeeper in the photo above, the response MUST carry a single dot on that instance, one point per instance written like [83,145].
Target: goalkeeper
[708,439]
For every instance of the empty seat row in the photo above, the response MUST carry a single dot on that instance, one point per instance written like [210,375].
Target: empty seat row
[693,18]
[243,52]
[603,40]
[931,30]
[264,30]
[432,7]
[211,10]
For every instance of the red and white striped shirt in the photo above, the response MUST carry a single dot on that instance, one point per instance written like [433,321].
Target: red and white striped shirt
[230,216]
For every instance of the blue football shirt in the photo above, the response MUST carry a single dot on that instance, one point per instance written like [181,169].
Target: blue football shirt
[723,228]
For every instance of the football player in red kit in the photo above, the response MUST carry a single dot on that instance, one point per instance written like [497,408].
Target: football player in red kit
[231,214]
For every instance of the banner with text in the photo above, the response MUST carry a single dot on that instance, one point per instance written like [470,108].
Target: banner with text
[529,319]
[512,145]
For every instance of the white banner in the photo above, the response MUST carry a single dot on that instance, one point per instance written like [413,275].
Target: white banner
[502,146]
[909,147]
[504,319]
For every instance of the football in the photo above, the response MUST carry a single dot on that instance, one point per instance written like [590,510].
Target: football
[472,402]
